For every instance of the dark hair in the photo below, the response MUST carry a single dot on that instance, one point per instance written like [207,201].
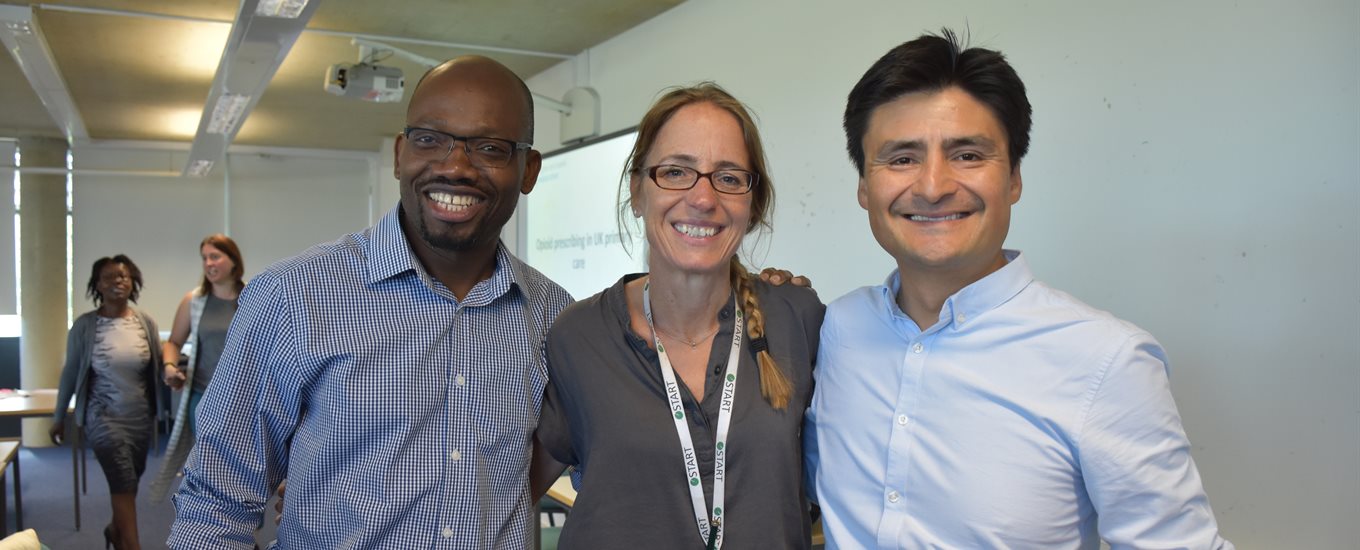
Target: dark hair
[228,247]
[91,290]
[774,384]
[932,63]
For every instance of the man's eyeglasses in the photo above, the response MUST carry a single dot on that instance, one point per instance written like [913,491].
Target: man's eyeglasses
[483,152]
[731,181]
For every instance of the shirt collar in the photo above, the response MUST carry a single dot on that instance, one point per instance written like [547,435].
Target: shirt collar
[509,274]
[390,254]
[973,300]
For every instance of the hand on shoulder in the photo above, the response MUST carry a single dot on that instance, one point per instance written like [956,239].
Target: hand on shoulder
[777,277]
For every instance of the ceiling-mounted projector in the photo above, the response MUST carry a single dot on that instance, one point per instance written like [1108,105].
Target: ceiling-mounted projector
[366,81]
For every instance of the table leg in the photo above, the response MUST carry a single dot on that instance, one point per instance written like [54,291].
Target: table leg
[84,466]
[18,495]
[75,472]
[4,507]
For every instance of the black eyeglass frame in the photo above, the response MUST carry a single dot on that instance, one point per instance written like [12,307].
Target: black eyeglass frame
[750,184]
[516,146]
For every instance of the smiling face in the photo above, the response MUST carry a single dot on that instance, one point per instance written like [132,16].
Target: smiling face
[447,203]
[938,184]
[217,265]
[697,230]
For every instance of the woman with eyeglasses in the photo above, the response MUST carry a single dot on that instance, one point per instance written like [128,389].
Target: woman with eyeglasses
[111,358]
[202,319]
[678,394]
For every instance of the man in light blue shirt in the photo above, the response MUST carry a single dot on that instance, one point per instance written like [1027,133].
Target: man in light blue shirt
[963,404]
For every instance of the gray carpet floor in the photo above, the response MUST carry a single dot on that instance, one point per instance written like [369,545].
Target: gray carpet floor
[48,502]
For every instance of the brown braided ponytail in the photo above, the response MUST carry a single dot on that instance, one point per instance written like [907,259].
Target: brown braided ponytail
[773,384]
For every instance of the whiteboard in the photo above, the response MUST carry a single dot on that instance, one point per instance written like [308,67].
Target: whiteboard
[569,227]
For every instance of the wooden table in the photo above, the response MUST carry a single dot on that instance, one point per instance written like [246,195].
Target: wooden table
[562,492]
[39,403]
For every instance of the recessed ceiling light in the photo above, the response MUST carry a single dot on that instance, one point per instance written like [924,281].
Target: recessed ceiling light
[227,113]
[200,168]
[290,9]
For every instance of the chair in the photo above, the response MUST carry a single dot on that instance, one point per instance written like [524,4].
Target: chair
[23,540]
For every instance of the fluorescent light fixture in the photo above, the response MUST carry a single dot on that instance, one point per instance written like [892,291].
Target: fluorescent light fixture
[256,46]
[22,36]
[19,27]
[200,168]
[227,113]
[289,9]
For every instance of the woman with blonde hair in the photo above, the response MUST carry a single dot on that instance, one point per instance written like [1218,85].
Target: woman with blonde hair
[678,394]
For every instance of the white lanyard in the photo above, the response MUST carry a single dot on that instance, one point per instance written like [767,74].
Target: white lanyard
[712,535]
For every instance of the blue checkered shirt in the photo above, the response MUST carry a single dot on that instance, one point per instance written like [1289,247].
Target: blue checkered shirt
[401,416]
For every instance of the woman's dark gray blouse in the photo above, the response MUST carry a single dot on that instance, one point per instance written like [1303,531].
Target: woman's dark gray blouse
[606,413]
[212,338]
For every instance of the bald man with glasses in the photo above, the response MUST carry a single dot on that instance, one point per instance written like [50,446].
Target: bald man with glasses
[393,376]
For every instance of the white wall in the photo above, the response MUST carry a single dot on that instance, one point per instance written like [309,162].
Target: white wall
[9,299]
[278,202]
[387,190]
[1193,169]
[281,205]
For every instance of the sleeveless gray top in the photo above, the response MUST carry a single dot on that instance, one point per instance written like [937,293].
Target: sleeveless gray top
[212,338]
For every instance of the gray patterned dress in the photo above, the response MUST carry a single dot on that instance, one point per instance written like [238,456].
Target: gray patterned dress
[118,421]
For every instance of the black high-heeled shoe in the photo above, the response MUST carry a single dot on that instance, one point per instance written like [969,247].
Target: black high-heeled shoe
[109,537]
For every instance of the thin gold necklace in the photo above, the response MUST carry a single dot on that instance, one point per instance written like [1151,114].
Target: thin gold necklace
[692,343]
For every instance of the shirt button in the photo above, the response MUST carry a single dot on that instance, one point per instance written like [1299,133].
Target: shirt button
[447,532]
[960,318]
[455,456]
[918,348]
[460,380]
[893,496]
[901,420]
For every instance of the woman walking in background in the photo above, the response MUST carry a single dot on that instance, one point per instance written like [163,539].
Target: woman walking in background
[203,317]
[111,354]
